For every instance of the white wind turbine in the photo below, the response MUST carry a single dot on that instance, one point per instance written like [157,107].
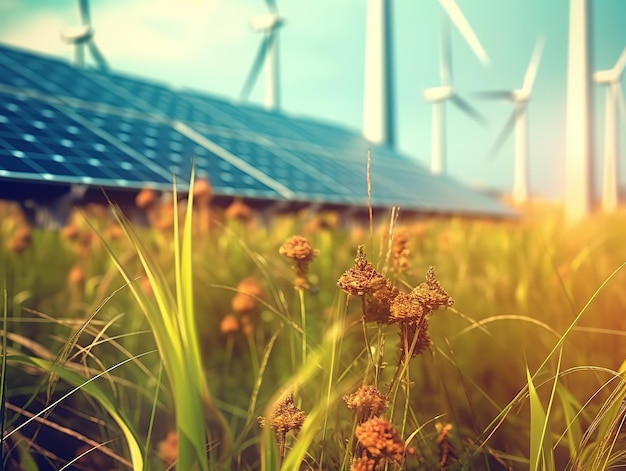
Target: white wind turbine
[611,78]
[578,130]
[519,121]
[82,37]
[268,24]
[378,103]
[438,96]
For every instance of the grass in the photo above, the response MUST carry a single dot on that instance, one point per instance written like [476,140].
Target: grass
[153,348]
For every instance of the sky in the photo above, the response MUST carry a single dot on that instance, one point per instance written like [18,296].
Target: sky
[207,45]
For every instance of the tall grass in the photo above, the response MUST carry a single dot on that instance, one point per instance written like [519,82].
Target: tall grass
[524,370]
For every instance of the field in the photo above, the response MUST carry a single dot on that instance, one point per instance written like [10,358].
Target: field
[214,341]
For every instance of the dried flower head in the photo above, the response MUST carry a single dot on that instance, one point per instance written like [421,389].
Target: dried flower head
[202,191]
[367,402]
[250,286]
[243,303]
[408,331]
[447,451]
[298,249]
[430,294]
[406,307]
[379,442]
[229,324]
[146,197]
[400,250]
[168,448]
[284,417]
[21,240]
[377,291]
[238,210]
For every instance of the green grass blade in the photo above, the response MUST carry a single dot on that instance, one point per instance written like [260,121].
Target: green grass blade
[541,456]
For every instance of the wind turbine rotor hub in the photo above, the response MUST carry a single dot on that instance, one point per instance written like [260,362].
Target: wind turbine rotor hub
[266,23]
[436,94]
[77,34]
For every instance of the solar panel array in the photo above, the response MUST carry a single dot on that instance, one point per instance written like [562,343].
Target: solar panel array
[62,124]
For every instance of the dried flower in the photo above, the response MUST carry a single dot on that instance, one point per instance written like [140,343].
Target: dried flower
[283,418]
[21,240]
[367,402]
[146,198]
[238,210]
[202,192]
[400,250]
[250,286]
[430,294]
[447,450]
[168,448]
[377,291]
[243,303]
[408,331]
[379,442]
[229,324]
[302,253]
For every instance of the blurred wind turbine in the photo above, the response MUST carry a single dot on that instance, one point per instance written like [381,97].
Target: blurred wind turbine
[267,54]
[378,104]
[578,130]
[611,78]
[438,96]
[518,120]
[82,37]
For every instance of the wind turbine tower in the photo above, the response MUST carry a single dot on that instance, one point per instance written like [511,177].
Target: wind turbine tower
[614,99]
[82,38]
[268,25]
[578,130]
[378,109]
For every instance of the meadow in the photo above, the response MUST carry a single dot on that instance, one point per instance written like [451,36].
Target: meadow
[212,340]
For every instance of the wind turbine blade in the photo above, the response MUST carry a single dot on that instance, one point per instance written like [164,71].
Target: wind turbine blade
[533,66]
[97,55]
[621,63]
[85,16]
[79,54]
[467,108]
[271,4]
[256,67]
[503,136]
[445,59]
[456,15]
[495,95]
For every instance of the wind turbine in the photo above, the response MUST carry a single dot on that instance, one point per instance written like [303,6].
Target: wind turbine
[82,37]
[519,120]
[614,97]
[267,54]
[578,130]
[378,103]
[438,96]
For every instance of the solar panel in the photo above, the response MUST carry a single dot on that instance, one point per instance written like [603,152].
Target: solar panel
[68,125]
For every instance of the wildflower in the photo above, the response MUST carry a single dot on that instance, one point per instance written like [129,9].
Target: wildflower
[229,324]
[379,443]
[430,294]
[238,210]
[146,198]
[168,448]
[202,192]
[302,253]
[377,291]
[283,418]
[21,240]
[367,402]
[446,449]
[400,251]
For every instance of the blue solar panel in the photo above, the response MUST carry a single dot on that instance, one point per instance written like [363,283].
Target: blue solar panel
[63,124]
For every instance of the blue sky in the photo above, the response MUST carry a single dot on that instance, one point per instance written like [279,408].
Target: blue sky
[208,45]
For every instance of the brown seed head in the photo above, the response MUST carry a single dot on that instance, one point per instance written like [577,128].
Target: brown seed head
[298,248]
[243,303]
[70,232]
[76,276]
[367,402]
[229,324]
[284,417]
[430,294]
[406,307]
[21,240]
[447,450]
[250,286]
[146,198]
[408,331]
[168,448]
[202,191]
[400,250]
[238,210]
[380,441]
